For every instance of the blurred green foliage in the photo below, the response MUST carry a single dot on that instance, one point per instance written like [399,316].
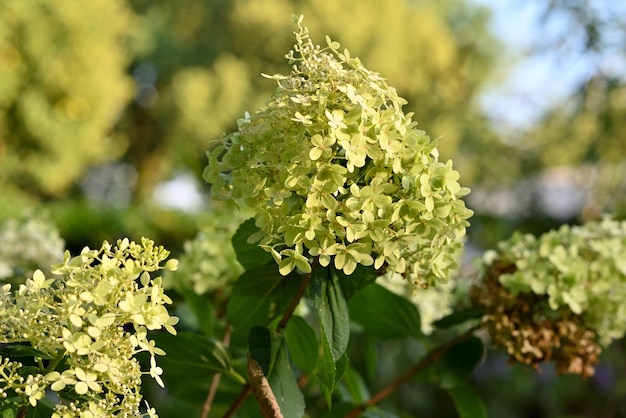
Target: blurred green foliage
[64,84]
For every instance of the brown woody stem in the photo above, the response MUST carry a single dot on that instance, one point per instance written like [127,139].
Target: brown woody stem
[206,408]
[294,302]
[246,390]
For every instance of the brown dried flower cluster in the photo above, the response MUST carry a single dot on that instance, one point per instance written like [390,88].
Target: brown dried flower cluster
[530,331]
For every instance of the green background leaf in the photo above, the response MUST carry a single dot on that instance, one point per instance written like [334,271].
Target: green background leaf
[376,412]
[202,308]
[21,350]
[302,342]
[353,284]
[340,410]
[43,409]
[468,404]
[8,413]
[459,361]
[354,387]
[260,348]
[384,314]
[458,317]
[249,255]
[258,296]
[191,360]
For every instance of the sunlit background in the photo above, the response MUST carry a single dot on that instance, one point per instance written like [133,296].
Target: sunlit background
[106,111]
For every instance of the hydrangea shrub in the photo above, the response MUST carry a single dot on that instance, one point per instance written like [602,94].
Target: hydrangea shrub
[559,296]
[335,170]
[208,262]
[347,195]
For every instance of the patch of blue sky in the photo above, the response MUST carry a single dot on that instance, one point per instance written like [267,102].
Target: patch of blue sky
[533,79]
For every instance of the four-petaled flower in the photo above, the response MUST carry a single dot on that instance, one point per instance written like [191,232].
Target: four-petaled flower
[156,372]
[86,381]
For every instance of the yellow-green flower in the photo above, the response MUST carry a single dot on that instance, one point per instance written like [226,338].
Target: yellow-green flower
[335,160]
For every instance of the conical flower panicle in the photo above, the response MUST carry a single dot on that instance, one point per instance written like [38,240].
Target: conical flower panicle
[334,169]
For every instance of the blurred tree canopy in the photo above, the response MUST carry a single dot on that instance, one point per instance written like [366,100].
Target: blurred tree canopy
[198,67]
[587,126]
[145,85]
[64,85]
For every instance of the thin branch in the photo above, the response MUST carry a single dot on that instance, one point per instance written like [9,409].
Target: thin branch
[206,408]
[296,300]
[245,391]
[426,361]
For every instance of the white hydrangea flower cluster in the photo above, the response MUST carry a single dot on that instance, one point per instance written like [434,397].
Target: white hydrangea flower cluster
[336,170]
[579,267]
[209,262]
[559,296]
[26,244]
[83,328]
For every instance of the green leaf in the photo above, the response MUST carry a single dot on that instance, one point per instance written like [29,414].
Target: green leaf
[276,385]
[326,369]
[458,317]
[459,361]
[191,359]
[258,296]
[18,350]
[202,309]
[376,412]
[285,386]
[340,410]
[302,342]
[43,409]
[260,348]
[355,388]
[372,357]
[353,284]
[341,366]
[249,255]
[8,413]
[468,404]
[384,314]
[332,309]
